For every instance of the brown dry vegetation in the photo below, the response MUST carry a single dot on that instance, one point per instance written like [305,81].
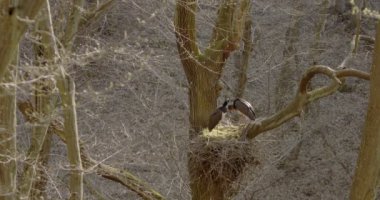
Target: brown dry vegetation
[133,107]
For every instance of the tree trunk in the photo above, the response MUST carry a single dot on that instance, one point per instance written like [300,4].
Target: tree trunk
[203,71]
[12,29]
[72,24]
[8,136]
[366,179]
[203,100]
[66,88]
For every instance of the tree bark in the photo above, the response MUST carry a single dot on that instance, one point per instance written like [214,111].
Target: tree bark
[203,70]
[66,88]
[8,149]
[13,24]
[367,172]
[72,24]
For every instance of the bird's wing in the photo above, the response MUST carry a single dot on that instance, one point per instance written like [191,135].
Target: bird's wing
[214,119]
[245,107]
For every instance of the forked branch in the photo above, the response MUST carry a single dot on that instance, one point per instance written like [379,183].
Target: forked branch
[304,97]
[225,38]
[228,30]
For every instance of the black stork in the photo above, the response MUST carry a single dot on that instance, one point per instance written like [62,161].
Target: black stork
[217,115]
[244,107]
[239,104]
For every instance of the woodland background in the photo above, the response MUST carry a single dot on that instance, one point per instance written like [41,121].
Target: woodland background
[132,97]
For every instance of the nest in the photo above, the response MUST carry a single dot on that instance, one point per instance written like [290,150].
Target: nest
[219,157]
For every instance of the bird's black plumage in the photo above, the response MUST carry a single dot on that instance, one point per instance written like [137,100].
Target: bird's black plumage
[244,107]
[238,104]
[217,115]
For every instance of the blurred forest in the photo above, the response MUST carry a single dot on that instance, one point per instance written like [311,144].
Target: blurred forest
[97,98]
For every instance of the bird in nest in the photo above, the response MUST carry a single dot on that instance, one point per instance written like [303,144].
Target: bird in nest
[240,105]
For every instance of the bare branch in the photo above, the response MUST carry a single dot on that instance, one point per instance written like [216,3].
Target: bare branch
[311,72]
[304,97]
[123,177]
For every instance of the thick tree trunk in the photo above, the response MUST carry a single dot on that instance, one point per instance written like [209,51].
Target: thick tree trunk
[8,137]
[203,71]
[203,101]
[12,28]
[203,95]
[366,179]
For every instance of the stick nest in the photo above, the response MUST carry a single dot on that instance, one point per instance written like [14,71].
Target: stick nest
[219,157]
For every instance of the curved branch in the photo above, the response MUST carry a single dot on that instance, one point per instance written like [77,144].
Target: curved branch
[314,70]
[304,97]
[353,73]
